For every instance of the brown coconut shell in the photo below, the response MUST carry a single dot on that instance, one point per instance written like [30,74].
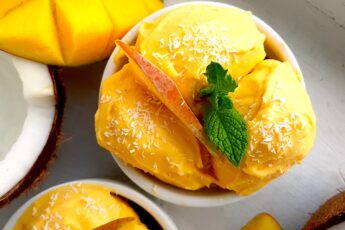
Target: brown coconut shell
[38,170]
[331,213]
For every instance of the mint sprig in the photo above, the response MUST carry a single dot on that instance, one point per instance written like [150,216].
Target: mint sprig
[223,124]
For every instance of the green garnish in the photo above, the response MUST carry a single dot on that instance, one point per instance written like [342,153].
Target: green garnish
[223,124]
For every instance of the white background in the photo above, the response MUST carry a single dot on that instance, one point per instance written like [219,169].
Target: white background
[315,31]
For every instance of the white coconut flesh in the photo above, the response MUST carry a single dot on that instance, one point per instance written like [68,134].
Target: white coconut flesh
[27,108]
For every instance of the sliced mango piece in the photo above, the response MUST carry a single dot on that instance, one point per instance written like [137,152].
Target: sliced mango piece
[64,32]
[29,31]
[152,6]
[125,14]
[84,29]
[263,221]
[8,5]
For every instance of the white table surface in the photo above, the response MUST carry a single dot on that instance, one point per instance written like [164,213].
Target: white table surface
[315,31]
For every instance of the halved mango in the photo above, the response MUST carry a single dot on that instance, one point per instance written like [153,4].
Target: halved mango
[65,32]
[29,31]
[84,29]
[8,5]
[125,14]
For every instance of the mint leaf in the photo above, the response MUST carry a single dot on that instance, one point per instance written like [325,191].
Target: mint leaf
[219,81]
[227,130]
[223,124]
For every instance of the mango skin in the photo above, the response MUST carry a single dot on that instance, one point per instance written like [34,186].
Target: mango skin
[68,33]
[263,221]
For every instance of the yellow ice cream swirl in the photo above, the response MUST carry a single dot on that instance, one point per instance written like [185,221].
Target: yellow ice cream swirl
[74,207]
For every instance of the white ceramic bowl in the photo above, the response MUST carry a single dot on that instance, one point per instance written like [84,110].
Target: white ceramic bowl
[275,47]
[121,189]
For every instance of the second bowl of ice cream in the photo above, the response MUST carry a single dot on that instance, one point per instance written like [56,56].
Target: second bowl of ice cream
[257,84]
[90,204]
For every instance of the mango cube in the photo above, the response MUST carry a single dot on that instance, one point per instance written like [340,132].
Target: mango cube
[262,221]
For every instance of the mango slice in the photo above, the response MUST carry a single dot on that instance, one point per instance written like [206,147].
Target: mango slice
[263,221]
[8,5]
[84,30]
[64,32]
[124,14]
[29,31]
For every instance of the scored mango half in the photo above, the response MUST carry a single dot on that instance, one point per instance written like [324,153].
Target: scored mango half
[68,33]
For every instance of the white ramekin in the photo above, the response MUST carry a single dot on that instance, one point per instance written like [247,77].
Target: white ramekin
[275,48]
[121,189]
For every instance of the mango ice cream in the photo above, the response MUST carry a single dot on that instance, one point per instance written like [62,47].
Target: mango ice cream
[136,127]
[76,206]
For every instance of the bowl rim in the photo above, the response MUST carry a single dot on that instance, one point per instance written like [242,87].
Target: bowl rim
[165,191]
[119,188]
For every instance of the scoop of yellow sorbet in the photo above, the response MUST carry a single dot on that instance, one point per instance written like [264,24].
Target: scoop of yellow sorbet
[136,127]
[74,207]
[281,126]
[183,47]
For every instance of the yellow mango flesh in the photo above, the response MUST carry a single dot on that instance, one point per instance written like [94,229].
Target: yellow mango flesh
[8,5]
[262,221]
[84,29]
[29,31]
[123,18]
[65,32]
[183,48]
[77,206]
[135,126]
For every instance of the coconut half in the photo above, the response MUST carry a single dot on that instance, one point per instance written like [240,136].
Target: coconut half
[330,215]
[31,105]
